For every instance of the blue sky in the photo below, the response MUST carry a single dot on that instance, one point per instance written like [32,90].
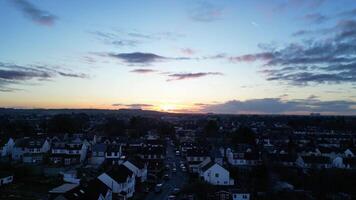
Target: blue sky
[292,56]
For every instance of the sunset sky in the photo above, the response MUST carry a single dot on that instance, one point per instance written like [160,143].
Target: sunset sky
[222,56]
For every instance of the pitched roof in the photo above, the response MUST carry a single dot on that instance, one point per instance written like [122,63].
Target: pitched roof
[89,191]
[207,166]
[120,173]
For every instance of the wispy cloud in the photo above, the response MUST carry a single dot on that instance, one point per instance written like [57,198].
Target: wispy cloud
[331,60]
[188,51]
[12,74]
[35,14]
[206,12]
[297,4]
[315,18]
[114,39]
[184,76]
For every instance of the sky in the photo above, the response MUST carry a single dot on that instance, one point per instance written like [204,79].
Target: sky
[222,56]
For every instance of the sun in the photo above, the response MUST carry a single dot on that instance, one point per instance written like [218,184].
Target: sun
[167,107]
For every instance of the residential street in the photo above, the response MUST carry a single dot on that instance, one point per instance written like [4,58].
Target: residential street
[176,180]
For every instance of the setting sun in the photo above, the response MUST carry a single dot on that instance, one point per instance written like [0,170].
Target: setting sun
[167,107]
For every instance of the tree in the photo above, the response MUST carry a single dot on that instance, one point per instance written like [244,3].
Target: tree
[244,135]
[211,128]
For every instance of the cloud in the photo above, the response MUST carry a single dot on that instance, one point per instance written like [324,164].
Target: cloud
[252,57]
[315,18]
[330,59]
[206,12]
[142,58]
[12,74]
[138,57]
[348,13]
[280,106]
[184,76]
[133,106]
[143,71]
[35,14]
[188,51]
[114,39]
[296,4]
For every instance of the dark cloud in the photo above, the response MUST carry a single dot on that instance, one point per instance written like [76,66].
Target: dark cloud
[138,57]
[143,71]
[330,59]
[12,74]
[133,106]
[206,12]
[279,106]
[35,14]
[184,76]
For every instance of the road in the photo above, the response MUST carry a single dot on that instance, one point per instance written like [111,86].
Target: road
[176,179]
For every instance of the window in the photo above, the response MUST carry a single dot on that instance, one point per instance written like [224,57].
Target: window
[216,175]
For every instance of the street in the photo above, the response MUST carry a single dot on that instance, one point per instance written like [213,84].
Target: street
[176,180]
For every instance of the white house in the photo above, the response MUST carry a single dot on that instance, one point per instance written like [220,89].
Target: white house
[139,168]
[33,150]
[6,146]
[121,180]
[215,174]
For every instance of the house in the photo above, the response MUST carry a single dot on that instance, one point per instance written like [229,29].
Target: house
[247,157]
[194,157]
[220,195]
[215,174]
[113,154]
[93,190]
[6,146]
[6,178]
[152,153]
[239,194]
[217,156]
[138,167]
[318,162]
[68,152]
[34,150]
[121,180]
[98,154]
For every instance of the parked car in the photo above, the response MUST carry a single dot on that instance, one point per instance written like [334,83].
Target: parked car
[166,177]
[158,188]
[176,191]
[174,170]
[172,197]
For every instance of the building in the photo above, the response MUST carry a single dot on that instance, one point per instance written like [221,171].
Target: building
[121,180]
[215,174]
